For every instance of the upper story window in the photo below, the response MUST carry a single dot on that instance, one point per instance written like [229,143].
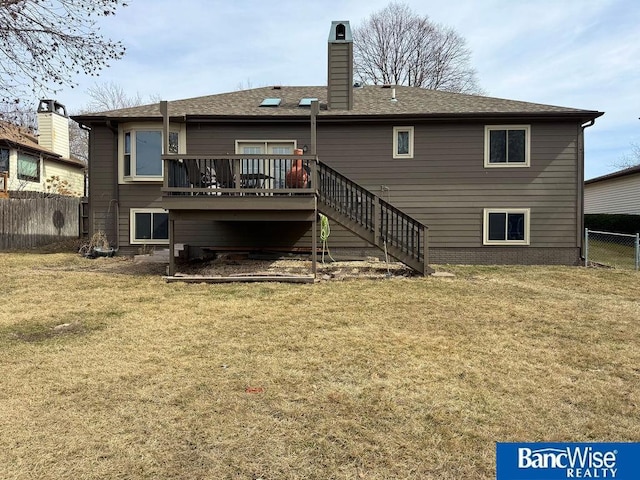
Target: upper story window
[141,150]
[507,145]
[28,167]
[4,160]
[402,142]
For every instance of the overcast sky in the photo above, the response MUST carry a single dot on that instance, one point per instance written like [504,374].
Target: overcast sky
[573,53]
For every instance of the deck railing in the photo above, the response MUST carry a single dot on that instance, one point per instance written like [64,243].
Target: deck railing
[237,175]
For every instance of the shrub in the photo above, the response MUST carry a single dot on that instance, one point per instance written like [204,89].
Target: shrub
[612,223]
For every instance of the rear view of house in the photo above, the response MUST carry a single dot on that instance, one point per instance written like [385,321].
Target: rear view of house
[432,176]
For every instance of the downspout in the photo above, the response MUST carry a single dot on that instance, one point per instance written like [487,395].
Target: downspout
[116,200]
[580,196]
[87,129]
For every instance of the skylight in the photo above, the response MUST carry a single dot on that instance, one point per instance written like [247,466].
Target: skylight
[271,102]
[306,102]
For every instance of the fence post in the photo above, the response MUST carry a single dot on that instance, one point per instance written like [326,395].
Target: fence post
[637,250]
[586,247]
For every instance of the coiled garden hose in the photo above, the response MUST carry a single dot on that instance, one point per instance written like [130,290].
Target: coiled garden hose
[325,231]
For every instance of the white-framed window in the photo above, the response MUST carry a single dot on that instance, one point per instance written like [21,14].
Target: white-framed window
[148,226]
[506,226]
[28,167]
[507,145]
[140,147]
[269,147]
[402,142]
[274,169]
[4,159]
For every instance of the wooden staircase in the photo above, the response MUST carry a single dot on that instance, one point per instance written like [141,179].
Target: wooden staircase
[373,219]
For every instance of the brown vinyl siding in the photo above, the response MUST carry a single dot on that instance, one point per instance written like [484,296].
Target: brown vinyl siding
[206,139]
[103,192]
[446,185]
[136,195]
[340,76]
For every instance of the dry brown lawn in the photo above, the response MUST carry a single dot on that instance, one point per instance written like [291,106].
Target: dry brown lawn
[109,372]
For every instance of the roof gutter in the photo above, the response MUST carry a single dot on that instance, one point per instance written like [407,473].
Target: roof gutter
[328,117]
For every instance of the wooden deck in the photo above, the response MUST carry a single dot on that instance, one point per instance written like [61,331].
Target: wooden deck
[287,188]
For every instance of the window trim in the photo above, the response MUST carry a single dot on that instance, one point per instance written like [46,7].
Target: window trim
[24,178]
[396,131]
[8,170]
[132,227]
[527,226]
[265,144]
[527,146]
[145,126]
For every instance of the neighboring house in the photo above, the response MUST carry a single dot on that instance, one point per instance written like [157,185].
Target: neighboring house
[41,163]
[615,193]
[495,181]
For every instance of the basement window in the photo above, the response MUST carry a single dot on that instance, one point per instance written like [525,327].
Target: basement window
[149,226]
[508,226]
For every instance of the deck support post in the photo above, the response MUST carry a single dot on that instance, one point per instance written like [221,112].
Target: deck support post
[314,241]
[164,110]
[172,242]
[315,108]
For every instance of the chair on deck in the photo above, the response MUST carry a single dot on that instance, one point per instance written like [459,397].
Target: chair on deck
[223,173]
[197,178]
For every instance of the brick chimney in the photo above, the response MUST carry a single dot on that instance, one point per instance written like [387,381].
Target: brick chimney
[340,67]
[53,127]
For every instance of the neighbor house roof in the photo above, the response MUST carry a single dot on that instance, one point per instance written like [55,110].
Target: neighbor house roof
[368,101]
[15,136]
[620,173]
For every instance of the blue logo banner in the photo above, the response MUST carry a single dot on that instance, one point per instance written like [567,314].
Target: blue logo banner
[554,461]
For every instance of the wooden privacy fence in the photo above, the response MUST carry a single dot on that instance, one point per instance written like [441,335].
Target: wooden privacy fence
[33,222]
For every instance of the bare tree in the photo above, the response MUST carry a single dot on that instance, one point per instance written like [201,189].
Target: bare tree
[103,97]
[45,43]
[630,159]
[17,113]
[396,46]
[111,96]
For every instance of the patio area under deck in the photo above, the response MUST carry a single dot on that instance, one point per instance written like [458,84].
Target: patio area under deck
[253,188]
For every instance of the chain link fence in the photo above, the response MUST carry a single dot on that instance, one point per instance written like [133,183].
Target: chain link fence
[617,250]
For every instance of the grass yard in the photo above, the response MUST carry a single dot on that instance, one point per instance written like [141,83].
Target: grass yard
[109,372]
[617,255]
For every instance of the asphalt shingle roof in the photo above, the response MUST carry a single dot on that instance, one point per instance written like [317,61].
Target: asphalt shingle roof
[14,135]
[368,101]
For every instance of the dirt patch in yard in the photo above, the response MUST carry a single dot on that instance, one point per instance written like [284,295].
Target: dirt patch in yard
[234,265]
[238,265]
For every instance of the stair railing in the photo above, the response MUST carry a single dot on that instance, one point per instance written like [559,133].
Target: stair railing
[386,225]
